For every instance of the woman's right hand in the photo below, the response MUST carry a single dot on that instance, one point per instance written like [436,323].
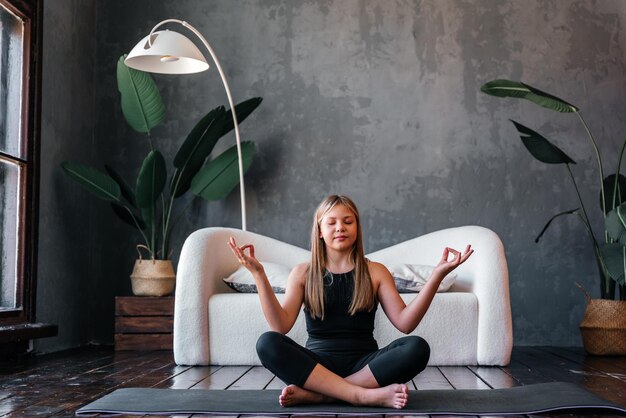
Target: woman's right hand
[248,261]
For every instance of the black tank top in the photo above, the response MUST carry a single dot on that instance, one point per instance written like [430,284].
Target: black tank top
[340,332]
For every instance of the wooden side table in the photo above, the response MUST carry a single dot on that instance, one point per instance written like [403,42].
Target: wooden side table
[144,323]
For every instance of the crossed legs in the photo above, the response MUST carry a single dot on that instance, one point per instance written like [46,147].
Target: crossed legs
[311,381]
[325,386]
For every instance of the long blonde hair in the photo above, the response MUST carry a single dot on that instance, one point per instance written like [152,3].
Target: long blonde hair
[363,295]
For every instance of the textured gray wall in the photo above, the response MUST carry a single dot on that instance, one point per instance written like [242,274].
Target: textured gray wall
[378,100]
[68,229]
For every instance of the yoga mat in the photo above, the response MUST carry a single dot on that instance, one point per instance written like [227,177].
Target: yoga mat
[543,397]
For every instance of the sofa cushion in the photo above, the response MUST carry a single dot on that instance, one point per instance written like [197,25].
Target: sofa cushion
[450,326]
[242,281]
[409,278]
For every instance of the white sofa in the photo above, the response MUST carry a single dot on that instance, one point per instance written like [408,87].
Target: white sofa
[468,325]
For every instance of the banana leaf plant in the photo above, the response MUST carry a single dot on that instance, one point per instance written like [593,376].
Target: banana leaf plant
[149,205]
[609,250]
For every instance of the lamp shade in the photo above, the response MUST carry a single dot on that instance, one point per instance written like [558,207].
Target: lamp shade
[170,53]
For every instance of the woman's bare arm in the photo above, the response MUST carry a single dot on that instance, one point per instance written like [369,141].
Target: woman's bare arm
[279,316]
[407,317]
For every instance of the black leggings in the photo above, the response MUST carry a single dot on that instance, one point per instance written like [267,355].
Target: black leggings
[398,362]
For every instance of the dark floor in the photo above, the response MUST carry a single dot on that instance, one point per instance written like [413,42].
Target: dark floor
[58,384]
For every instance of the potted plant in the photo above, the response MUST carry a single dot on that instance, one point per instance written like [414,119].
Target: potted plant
[604,325]
[149,206]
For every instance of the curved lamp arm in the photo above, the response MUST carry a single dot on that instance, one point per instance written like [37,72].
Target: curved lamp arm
[230,103]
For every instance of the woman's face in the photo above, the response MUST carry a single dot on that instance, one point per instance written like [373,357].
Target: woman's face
[338,228]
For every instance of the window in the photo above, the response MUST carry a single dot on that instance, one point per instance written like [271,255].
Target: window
[18,159]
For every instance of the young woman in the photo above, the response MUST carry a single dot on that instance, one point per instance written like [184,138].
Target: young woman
[341,291]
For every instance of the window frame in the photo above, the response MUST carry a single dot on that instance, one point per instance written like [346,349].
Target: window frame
[30,11]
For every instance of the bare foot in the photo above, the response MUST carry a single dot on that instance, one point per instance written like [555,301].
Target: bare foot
[392,396]
[294,395]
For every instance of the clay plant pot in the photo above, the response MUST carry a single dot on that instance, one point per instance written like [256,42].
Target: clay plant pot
[153,277]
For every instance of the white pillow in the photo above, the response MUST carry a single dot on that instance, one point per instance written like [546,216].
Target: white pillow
[242,281]
[411,278]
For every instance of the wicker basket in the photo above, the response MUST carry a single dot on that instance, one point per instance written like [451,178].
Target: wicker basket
[152,277]
[604,326]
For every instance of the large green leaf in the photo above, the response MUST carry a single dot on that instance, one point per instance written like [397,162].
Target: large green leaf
[614,256]
[540,147]
[151,179]
[195,150]
[97,182]
[615,224]
[515,89]
[127,191]
[123,213]
[242,110]
[609,186]
[141,101]
[148,216]
[199,141]
[220,176]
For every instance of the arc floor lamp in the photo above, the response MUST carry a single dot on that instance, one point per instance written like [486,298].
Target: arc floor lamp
[169,52]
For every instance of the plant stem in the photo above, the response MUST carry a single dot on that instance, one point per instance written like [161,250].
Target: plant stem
[595,148]
[166,218]
[619,163]
[582,206]
[163,230]
[602,197]
[152,220]
[594,242]
[152,245]
[166,223]
[607,283]
[180,214]
[132,215]
[604,275]
[599,260]
[150,141]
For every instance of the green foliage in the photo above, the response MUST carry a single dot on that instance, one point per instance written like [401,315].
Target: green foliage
[127,192]
[94,180]
[611,199]
[150,205]
[141,101]
[611,253]
[540,148]
[151,179]
[219,177]
[615,224]
[508,88]
[196,148]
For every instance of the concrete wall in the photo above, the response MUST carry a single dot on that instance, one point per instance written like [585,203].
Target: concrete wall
[66,291]
[375,99]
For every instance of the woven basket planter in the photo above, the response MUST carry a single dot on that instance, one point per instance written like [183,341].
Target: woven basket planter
[153,277]
[603,327]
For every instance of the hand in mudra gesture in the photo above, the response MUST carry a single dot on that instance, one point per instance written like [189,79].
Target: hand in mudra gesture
[446,265]
[248,261]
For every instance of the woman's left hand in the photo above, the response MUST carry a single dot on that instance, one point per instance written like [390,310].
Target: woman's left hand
[445,266]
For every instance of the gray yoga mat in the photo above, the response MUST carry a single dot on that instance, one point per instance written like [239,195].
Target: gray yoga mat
[543,397]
